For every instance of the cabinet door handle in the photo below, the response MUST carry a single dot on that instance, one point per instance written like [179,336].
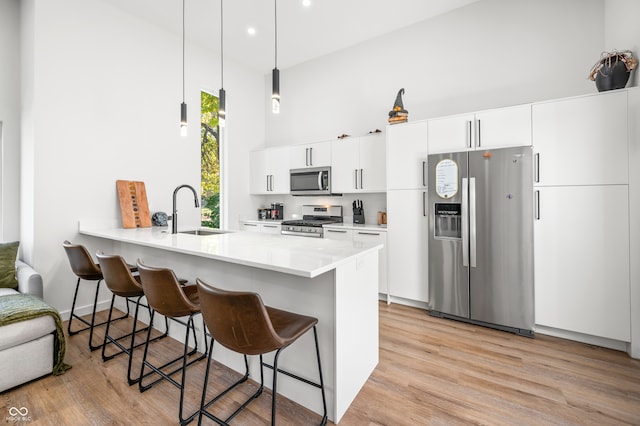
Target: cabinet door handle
[368,233]
[336,231]
[424,204]
[355,174]
[469,133]
[537,202]
[250,224]
[270,226]
[479,135]
[361,187]
[267,183]
[271,182]
[306,156]
[311,156]
[536,168]
[424,173]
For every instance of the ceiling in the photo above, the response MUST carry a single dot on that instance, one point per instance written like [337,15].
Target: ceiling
[304,33]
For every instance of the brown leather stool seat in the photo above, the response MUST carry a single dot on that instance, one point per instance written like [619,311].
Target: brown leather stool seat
[86,269]
[119,279]
[240,322]
[168,297]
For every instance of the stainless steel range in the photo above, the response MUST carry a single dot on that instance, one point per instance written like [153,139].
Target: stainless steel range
[313,217]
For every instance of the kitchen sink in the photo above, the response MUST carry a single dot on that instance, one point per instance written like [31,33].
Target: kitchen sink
[204,232]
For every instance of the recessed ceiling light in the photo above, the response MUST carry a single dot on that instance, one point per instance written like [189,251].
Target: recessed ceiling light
[306,3]
[251,30]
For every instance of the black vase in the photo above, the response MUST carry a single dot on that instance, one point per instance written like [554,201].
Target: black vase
[612,75]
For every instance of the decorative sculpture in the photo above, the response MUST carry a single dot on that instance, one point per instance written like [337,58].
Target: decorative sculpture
[398,114]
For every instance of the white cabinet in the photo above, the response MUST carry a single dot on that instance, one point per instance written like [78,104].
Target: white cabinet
[338,234]
[495,128]
[367,236]
[269,171]
[581,141]
[582,260]
[265,228]
[407,155]
[379,237]
[316,154]
[359,164]
[451,134]
[407,227]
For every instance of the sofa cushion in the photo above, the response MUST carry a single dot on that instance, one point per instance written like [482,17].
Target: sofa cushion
[24,331]
[8,256]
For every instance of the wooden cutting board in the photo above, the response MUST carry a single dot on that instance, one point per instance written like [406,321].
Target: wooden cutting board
[133,204]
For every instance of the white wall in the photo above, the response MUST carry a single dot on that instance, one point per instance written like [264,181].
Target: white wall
[10,118]
[622,31]
[489,54]
[102,103]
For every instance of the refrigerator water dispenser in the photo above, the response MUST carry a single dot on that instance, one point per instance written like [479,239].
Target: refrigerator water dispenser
[448,220]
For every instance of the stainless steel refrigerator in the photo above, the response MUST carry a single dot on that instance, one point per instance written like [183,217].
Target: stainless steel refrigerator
[481,238]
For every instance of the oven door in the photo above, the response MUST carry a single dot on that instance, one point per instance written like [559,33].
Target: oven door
[311,181]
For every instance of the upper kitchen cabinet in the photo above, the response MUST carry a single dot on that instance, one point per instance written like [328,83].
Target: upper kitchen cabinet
[581,141]
[496,128]
[269,171]
[316,154]
[359,164]
[407,155]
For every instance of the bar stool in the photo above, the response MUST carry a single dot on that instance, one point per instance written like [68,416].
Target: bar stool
[86,269]
[119,279]
[243,324]
[168,297]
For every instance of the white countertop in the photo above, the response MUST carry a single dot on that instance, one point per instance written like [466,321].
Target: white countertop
[302,256]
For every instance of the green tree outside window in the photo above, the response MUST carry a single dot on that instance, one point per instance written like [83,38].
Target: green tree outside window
[210,160]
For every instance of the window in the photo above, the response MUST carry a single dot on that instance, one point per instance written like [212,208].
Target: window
[210,160]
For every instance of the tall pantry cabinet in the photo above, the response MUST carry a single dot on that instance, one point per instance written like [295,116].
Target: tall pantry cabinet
[581,227]
[407,223]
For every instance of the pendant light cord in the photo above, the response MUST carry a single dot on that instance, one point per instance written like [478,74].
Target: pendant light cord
[221,48]
[275,12]
[183,45]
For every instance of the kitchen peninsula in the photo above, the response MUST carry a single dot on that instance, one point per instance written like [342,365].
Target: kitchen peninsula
[334,281]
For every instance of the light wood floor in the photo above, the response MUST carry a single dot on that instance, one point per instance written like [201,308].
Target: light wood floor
[431,371]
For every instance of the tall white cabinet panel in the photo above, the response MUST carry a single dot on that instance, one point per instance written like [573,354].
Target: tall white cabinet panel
[317,154]
[359,164]
[451,134]
[407,149]
[496,128]
[582,141]
[407,229]
[582,260]
[269,171]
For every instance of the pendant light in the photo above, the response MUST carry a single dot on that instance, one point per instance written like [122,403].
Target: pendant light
[275,83]
[222,95]
[183,105]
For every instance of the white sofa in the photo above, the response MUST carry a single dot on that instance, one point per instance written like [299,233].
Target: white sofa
[26,347]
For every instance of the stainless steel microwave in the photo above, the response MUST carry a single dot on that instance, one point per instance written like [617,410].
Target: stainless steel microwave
[311,181]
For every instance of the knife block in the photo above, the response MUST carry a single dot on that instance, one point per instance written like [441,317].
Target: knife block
[358,218]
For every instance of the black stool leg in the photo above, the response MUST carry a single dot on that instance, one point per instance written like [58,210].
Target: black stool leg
[73,306]
[324,399]
[273,388]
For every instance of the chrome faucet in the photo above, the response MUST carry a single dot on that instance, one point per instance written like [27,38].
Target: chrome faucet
[174,222]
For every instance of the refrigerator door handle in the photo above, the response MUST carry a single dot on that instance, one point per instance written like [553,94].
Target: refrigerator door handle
[537,203]
[472,222]
[465,222]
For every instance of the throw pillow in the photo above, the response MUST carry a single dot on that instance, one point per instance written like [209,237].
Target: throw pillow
[8,256]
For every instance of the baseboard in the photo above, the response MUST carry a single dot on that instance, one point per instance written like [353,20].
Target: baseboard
[407,302]
[85,310]
[583,338]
